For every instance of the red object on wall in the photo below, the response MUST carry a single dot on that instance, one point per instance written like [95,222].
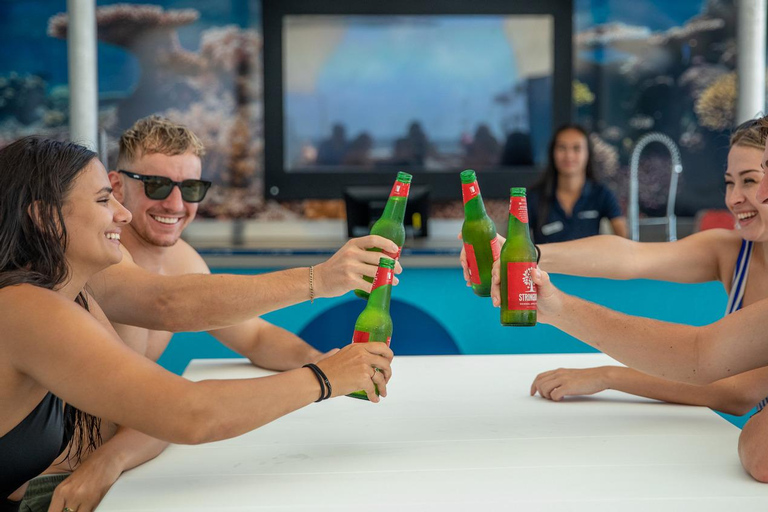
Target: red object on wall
[712,219]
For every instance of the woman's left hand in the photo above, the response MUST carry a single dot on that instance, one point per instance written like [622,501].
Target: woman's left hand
[84,489]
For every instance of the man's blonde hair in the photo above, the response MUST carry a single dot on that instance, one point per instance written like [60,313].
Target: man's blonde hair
[156,134]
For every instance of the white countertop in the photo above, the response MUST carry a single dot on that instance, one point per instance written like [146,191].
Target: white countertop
[456,433]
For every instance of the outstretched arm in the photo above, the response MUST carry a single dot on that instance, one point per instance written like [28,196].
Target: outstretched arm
[196,302]
[701,257]
[698,355]
[735,395]
[65,350]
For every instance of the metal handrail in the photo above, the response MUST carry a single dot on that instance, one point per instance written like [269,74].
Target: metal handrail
[634,197]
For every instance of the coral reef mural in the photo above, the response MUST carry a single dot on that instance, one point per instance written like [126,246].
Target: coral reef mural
[216,91]
[679,81]
[663,66]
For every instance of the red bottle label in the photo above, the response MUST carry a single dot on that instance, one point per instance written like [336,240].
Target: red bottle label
[495,248]
[400,189]
[521,290]
[383,277]
[365,337]
[474,271]
[469,191]
[518,207]
[393,255]
[360,337]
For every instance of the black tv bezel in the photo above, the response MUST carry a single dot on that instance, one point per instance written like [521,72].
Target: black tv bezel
[444,185]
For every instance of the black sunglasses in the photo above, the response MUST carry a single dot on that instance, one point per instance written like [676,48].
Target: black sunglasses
[160,187]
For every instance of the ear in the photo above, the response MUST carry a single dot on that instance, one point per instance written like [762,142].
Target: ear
[116,181]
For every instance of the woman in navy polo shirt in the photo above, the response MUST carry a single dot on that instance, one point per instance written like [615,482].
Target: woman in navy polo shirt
[568,202]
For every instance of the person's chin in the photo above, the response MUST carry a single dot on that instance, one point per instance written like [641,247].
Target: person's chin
[164,241]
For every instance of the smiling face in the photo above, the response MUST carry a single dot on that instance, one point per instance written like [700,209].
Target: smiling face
[742,179]
[571,153]
[158,222]
[94,220]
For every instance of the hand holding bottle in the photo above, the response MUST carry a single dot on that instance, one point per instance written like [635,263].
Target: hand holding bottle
[359,366]
[344,270]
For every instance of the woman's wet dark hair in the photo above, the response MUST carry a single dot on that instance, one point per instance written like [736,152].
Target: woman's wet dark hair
[36,175]
[547,184]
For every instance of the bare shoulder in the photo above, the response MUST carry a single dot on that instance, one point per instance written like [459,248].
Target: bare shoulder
[725,240]
[22,296]
[725,244]
[26,308]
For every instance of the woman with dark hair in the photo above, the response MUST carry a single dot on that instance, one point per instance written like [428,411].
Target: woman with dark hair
[568,202]
[59,225]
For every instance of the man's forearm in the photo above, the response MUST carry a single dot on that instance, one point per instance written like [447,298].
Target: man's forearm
[268,346]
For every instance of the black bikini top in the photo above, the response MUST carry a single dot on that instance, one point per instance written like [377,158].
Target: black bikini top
[32,445]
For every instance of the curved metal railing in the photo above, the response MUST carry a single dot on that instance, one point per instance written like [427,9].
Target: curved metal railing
[634,197]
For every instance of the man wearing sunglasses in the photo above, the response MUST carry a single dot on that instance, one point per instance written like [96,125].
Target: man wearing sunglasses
[163,285]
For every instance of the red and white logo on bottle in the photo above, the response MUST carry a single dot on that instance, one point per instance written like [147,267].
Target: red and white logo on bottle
[383,277]
[521,290]
[393,255]
[469,191]
[474,271]
[495,248]
[518,207]
[365,337]
[400,189]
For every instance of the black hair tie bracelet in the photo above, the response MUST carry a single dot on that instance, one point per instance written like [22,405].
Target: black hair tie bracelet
[325,384]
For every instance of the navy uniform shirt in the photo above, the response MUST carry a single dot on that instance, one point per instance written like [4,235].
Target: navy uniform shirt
[595,203]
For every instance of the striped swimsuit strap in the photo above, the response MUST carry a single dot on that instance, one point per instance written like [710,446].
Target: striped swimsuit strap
[738,285]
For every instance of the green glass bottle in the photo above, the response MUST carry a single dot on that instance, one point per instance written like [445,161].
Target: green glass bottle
[374,324]
[479,234]
[390,225]
[518,261]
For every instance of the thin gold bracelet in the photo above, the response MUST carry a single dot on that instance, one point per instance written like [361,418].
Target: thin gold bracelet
[311,284]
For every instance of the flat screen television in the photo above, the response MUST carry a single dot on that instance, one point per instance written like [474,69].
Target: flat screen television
[356,90]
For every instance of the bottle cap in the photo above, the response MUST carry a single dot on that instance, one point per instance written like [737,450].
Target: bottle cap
[468,176]
[404,177]
[517,192]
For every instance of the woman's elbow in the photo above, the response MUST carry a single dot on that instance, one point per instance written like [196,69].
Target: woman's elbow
[753,450]
[757,467]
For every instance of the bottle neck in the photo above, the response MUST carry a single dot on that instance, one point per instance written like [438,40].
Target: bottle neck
[395,208]
[474,208]
[518,218]
[382,290]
